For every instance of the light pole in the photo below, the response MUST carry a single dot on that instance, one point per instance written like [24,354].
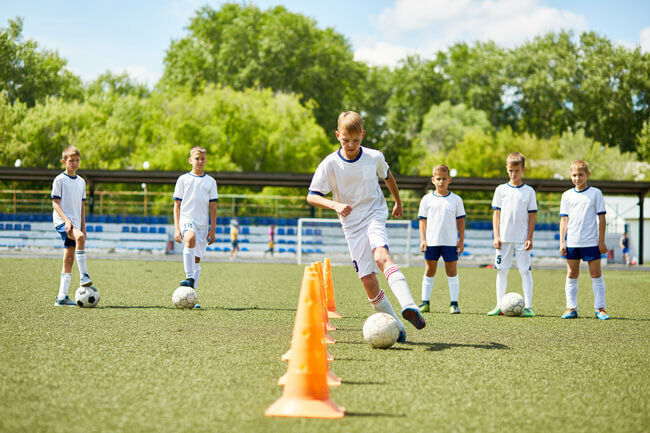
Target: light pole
[145,165]
[17,164]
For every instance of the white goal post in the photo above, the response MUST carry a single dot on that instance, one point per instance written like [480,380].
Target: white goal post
[324,236]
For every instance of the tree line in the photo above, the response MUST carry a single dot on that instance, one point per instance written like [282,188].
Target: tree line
[261,90]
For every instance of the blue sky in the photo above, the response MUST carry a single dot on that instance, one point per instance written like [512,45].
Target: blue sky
[132,36]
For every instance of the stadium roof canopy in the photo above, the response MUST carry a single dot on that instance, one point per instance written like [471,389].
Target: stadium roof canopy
[302,180]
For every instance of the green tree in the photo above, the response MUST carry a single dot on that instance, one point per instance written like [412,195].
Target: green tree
[28,74]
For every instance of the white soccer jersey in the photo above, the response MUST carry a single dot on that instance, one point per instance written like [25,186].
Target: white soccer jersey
[72,193]
[195,194]
[354,182]
[515,203]
[441,213]
[582,208]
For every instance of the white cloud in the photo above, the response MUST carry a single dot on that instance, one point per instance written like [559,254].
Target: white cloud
[644,40]
[382,53]
[140,74]
[425,26]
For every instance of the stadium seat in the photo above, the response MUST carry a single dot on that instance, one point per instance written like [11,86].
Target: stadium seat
[219,229]
[18,226]
[125,229]
[99,229]
[153,230]
[282,250]
[27,227]
[2,226]
[144,229]
[281,231]
[292,250]
[90,228]
[162,230]
[244,249]
[282,241]
[291,232]
[134,229]
[245,231]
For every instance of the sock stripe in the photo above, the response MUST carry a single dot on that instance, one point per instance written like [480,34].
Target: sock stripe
[378,298]
[390,271]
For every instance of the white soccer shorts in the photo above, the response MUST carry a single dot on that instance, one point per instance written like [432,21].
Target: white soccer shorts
[362,243]
[201,236]
[503,256]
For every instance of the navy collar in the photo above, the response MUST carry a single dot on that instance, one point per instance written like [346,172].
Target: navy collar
[338,152]
[436,195]
[71,177]
[194,175]
[512,186]
[580,192]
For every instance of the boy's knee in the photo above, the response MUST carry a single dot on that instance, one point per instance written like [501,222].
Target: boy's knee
[80,237]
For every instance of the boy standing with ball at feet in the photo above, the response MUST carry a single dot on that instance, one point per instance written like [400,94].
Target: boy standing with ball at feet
[513,223]
[195,215]
[352,174]
[582,236]
[442,233]
[69,218]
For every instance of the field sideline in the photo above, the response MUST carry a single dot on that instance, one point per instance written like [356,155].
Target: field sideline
[136,364]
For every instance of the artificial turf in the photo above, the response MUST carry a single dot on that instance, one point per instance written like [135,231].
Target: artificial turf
[136,364]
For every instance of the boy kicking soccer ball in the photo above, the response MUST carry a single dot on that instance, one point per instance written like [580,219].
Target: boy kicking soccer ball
[513,223]
[442,233]
[195,209]
[351,175]
[582,236]
[69,218]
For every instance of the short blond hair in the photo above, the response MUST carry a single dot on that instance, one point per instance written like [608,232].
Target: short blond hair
[198,149]
[350,121]
[440,167]
[70,151]
[580,165]
[516,158]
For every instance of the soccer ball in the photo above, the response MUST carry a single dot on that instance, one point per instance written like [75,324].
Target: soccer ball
[381,330]
[512,304]
[184,297]
[87,297]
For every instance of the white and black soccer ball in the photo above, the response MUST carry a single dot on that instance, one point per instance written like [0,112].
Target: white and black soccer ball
[381,330]
[512,304]
[184,297]
[87,297]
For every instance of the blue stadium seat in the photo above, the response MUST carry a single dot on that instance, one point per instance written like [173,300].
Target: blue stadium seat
[134,229]
[99,229]
[282,241]
[27,227]
[291,250]
[291,241]
[244,249]
[153,230]
[291,232]
[245,231]
[281,231]
[219,230]
[2,226]
[162,230]
[90,228]
[21,217]
[282,250]
[125,229]
[144,229]
[9,226]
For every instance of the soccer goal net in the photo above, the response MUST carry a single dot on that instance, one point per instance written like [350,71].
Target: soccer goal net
[323,237]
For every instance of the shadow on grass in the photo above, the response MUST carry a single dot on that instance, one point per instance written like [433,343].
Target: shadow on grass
[370,414]
[119,307]
[349,382]
[437,347]
[253,309]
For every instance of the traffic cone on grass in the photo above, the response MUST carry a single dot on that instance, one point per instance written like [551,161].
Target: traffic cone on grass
[306,394]
[328,325]
[329,290]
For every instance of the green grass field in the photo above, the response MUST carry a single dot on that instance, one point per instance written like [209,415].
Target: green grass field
[136,364]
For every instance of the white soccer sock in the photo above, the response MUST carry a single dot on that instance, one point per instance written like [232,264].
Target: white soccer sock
[571,289]
[454,288]
[381,305]
[427,287]
[197,274]
[80,257]
[527,286]
[399,286]
[598,285]
[188,262]
[502,283]
[64,285]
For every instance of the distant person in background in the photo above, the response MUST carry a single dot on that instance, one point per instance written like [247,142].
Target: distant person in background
[271,240]
[69,217]
[234,237]
[195,215]
[625,248]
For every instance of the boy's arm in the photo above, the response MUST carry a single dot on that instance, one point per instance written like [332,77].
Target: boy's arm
[56,205]
[602,226]
[177,217]
[532,217]
[564,222]
[423,234]
[325,203]
[83,217]
[213,222]
[392,187]
[496,218]
[460,223]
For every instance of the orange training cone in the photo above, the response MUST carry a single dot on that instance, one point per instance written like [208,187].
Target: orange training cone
[328,325]
[306,393]
[329,291]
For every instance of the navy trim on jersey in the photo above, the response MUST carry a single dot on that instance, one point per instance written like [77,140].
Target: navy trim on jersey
[179,199]
[602,213]
[512,186]
[56,196]
[75,176]
[214,199]
[441,196]
[580,192]
[564,214]
[387,173]
[338,152]
[532,211]
[317,193]
[496,208]
[462,216]
[190,173]
[422,218]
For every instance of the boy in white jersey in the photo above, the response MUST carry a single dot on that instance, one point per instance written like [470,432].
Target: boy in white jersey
[69,218]
[582,236]
[513,223]
[351,174]
[442,232]
[195,209]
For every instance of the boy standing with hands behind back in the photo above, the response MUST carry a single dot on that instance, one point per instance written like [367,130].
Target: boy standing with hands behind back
[69,218]
[513,223]
[442,232]
[352,174]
